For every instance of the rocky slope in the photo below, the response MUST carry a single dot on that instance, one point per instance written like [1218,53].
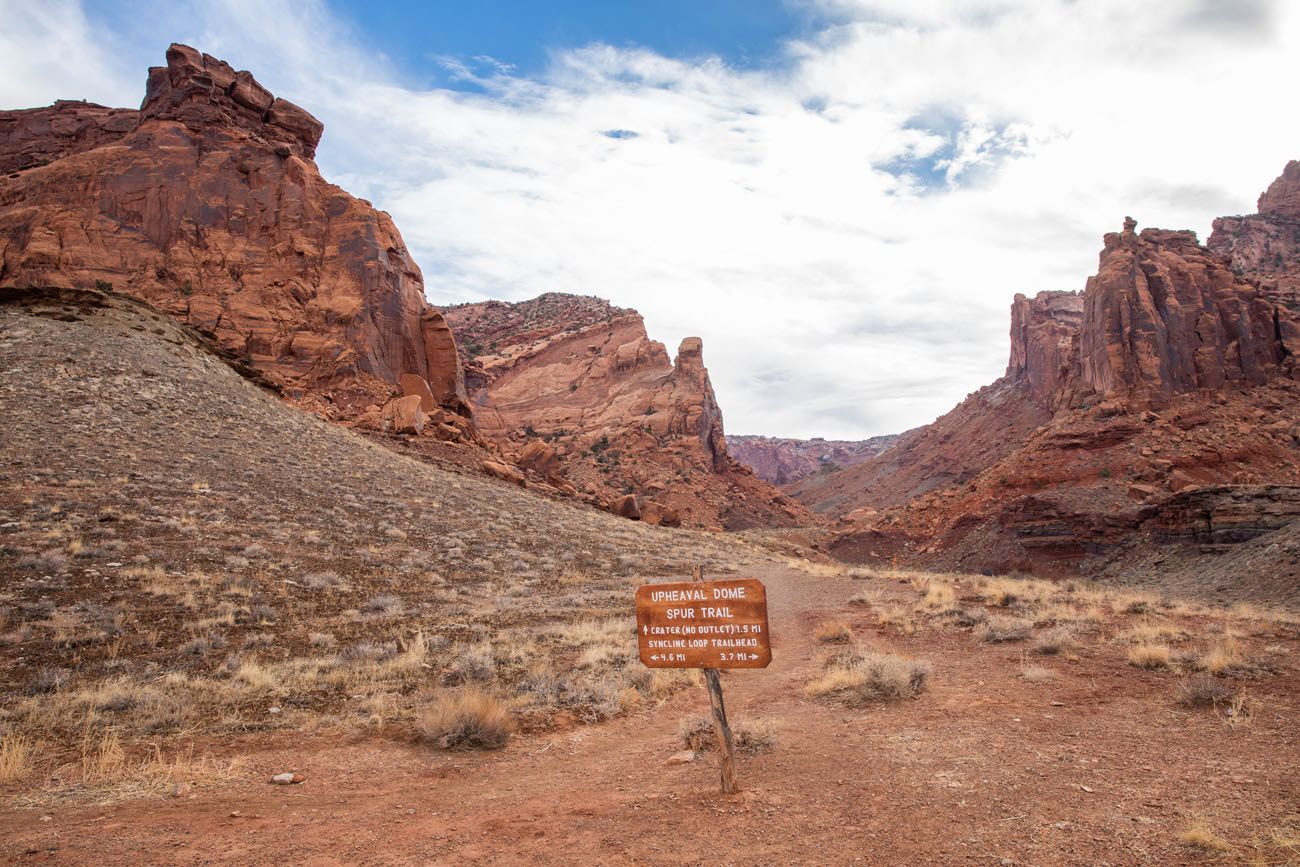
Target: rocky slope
[785,461]
[207,203]
[1156,411]
[574,390]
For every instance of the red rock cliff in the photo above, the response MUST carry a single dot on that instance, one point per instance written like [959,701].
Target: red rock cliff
[577,391]
[1164,315]
[207,203]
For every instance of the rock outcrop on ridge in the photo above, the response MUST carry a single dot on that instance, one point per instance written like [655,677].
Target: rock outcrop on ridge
[1159,408]
[207,204]
[1266,246]
[574,389]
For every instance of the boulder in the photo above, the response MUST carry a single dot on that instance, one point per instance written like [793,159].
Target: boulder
[504,472]
[659,515]
[403,415]
[627,507]
[414,384]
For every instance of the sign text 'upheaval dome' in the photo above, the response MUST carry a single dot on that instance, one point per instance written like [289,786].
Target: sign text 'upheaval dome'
[704,624]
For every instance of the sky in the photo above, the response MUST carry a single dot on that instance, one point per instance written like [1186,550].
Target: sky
[841,197]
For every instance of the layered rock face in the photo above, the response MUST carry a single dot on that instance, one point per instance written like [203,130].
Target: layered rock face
[1159,408]
[575,391]
[1266,246]
[783,461]
[207,204]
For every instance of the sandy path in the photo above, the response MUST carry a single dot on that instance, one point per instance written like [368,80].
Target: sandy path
[1097,767]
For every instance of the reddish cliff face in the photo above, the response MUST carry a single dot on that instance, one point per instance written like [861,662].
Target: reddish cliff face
[784,461]
[574,390]
[1170,374]
[1266,246]
[207,204]
[1044,335]
[1165,316]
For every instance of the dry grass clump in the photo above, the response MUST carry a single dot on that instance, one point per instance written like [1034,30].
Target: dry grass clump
[16,757]
[1002,592]
[466,719]
[858,675]
[1055,641]
[1225,656]
[1150,656]
[1037,674]
[938,596]
[1202,839]
[105,773]
[747,736]
[999,629]
[897,616]
[1153,633]
[834,632]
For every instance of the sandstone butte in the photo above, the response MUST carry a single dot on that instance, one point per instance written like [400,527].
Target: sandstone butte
[576,392]
[783,461]
[207,203]
[1160,405]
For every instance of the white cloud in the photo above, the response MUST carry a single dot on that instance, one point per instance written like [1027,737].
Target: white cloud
[845,232]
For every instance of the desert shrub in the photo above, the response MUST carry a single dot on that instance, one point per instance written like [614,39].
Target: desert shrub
[385,603]
[1204,691]
[747,736]
[857,675]
[369,651]
[1149,656]
[969,617]
[834,632]
[1054,641]
[47,680]
[998,629]
[1037,674]
[476,662]
[467,719]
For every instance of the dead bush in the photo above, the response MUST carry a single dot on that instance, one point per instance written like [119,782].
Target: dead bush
[1149,656]
[1055,641]
[999,629]
[834,632]
[747,736]
[1204,691]
[865,675]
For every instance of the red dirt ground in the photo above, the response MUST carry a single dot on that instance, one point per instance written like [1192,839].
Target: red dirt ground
[1100,766]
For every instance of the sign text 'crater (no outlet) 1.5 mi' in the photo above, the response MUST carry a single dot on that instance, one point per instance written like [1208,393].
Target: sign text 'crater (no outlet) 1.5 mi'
[703,624]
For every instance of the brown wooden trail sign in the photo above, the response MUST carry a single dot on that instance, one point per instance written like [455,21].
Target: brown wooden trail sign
[708,625]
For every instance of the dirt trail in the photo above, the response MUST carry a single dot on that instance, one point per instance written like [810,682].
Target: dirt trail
[982,769]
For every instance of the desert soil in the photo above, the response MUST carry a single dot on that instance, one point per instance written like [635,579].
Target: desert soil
[1099,766]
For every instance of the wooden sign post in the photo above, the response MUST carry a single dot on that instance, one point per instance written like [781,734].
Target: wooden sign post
[708,625]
